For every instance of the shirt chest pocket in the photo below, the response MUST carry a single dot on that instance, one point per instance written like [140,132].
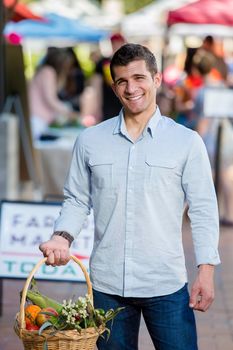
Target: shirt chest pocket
[102,172]
[160,173]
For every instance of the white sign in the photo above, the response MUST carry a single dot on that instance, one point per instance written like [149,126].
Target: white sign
[218,103]
[24,225]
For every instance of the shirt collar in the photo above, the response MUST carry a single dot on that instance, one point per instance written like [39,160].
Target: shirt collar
[120,126]
[119,123]
[153,122]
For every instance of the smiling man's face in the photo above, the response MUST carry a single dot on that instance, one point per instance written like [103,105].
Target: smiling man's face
[136,87]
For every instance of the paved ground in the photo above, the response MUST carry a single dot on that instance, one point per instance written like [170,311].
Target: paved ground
[215,328]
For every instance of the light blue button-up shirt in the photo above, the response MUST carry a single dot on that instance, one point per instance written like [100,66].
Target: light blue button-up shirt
[138,191]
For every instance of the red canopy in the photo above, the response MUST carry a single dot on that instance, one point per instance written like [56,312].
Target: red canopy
[20,11]
[203,12]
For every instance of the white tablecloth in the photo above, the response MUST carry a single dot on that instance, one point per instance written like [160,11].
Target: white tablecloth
[53,161]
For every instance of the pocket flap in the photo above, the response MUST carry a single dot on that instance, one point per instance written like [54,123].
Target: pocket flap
[100,161]
[161,163]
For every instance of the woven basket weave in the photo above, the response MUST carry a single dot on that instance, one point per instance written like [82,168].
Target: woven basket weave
[62,340]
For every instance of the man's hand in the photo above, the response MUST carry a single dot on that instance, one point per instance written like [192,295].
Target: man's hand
[56,250]
[202,292]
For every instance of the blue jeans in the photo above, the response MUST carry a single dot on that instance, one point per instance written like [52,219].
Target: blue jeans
[169,320]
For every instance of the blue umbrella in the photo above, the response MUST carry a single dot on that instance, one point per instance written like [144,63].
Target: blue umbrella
[55,26]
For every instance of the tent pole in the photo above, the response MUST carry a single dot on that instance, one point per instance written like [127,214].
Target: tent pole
[164,50]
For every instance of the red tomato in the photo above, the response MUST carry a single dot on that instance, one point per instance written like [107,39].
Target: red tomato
[32,327]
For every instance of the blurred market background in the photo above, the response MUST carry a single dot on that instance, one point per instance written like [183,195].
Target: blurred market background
[90,31]
[55,82]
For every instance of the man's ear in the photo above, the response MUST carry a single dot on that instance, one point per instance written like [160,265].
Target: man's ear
[157,80]
[114,89]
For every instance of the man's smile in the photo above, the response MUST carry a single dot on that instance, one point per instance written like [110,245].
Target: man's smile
[134,98]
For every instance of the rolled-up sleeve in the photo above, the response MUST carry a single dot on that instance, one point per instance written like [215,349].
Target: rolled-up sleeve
[77,202]
[200,194]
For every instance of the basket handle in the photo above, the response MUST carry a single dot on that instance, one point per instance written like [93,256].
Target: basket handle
[32,273]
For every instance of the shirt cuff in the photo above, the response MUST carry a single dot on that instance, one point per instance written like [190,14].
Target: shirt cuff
[207,255]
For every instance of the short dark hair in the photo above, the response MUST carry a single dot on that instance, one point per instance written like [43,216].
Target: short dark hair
[209,40]
[133,52]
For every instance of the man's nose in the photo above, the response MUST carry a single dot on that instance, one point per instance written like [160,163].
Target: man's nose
[130,87]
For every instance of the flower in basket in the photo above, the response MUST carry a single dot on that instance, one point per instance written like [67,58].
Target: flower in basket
[79,314]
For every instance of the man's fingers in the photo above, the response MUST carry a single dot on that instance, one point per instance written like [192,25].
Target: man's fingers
[194,298]
[57,257]
[56,253]
[64,257]
[50,258]
[201,300]
[42,247]
[204,303]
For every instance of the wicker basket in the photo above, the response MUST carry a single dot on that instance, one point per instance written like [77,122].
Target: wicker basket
[62,340]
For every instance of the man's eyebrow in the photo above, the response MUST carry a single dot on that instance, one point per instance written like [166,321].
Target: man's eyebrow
[119,80]
[137,75]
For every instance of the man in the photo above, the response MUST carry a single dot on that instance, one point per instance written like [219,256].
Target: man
[137,170]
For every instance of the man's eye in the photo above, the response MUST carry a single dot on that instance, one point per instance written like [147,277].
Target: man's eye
[121,82]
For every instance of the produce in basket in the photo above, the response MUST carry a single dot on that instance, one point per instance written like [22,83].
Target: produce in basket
[45,315]
[71,314]
[31,312]
[41,300]
[73,324]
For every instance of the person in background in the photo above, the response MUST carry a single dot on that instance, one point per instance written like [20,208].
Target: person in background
[203,63]
[138,187]
[185,91]
[74,84]
[49,79]
[108,105]
[219,70]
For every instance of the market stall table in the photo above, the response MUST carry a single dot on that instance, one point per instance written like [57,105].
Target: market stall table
[53,159]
